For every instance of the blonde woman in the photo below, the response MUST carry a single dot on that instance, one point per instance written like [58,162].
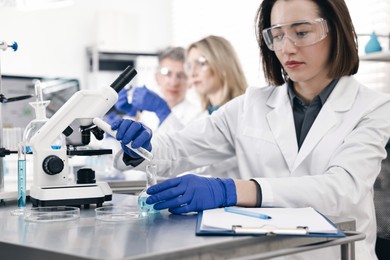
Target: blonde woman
[215,71]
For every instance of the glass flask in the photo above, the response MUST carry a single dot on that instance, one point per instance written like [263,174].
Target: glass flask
[32,128]
[151,171]
[40,119]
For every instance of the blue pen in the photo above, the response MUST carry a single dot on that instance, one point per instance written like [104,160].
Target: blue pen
[247,213]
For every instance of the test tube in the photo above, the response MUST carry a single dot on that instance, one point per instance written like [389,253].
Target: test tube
[130,90]
[21,176]
[21,181]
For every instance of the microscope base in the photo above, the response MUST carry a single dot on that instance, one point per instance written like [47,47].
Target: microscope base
[71,195]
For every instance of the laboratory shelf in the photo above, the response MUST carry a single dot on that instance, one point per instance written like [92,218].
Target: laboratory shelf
[383,56]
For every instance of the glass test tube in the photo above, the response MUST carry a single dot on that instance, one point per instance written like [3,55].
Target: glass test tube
[21,176]
[21,181]
[107,128]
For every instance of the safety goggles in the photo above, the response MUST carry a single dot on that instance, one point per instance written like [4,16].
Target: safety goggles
[167,73]
[301,33]
[200,64]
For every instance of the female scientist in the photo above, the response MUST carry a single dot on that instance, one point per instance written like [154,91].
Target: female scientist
[315,137]
[215,71]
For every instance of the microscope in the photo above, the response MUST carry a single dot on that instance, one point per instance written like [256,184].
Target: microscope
[51,168]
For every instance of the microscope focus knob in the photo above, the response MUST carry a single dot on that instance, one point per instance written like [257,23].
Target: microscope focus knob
[53,165]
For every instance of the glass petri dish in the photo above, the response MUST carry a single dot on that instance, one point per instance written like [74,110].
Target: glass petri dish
[118,213]
[51,214]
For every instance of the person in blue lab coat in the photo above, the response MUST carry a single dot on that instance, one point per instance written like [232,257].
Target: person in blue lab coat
[315,137]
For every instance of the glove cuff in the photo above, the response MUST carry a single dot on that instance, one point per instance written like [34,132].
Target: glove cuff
[128,160]
[259,197]
[230,192]
[132,111]
[163,113]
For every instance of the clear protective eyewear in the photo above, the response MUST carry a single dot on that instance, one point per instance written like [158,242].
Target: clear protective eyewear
[301,33]
[167,73]
[200,64]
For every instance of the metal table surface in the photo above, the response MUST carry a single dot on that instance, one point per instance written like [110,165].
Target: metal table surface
[162,236]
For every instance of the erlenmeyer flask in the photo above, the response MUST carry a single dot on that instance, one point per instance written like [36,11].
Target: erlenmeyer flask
[151,170]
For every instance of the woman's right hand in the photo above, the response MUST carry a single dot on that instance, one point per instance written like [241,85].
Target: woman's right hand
[132,131]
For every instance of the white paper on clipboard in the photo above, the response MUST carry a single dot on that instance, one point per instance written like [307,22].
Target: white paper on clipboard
[282,218]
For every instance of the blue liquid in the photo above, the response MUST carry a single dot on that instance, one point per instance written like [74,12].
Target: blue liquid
[145,207]
[54,147]
[21,183]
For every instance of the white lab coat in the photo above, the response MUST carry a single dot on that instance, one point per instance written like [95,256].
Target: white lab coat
[333,172]
[183,113]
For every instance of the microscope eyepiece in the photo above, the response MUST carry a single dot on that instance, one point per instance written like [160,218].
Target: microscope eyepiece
[124,78]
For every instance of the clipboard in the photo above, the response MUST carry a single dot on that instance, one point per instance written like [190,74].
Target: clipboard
[239,230]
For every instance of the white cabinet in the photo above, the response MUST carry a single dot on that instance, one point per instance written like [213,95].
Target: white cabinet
[105,66]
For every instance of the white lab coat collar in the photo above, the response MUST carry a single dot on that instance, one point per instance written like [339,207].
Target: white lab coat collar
[281,123]
[281,120]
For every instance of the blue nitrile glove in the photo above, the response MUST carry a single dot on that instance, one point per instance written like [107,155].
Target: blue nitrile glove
[192,193]
[129,130]
[145,99]
[123,106]
[111,117]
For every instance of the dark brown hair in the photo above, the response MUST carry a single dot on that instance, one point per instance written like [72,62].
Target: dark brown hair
[343,59]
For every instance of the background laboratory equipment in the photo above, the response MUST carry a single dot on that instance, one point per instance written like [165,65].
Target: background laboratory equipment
[151,171]
[21,181]
[51,167]
[3,99]
[40,119]
[56,89]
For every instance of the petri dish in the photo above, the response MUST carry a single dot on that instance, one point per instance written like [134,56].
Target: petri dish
[118,213]
[52,214]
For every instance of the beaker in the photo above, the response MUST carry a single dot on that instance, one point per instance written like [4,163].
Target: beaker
[151,171]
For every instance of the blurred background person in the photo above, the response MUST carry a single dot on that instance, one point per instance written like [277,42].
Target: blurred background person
[168,110]
[214,69]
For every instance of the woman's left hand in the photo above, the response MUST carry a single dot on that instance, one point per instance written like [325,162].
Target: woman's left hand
[192,193]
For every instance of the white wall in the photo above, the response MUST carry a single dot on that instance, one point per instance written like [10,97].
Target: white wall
[53,42]
[232,19]
[367,18]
